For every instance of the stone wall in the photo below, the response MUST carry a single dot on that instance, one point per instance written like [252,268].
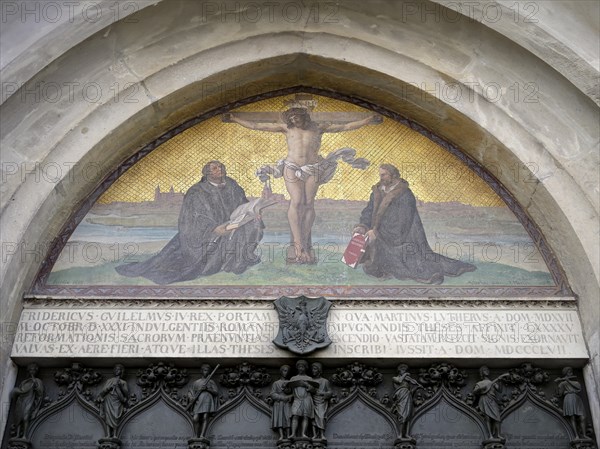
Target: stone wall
[519,96]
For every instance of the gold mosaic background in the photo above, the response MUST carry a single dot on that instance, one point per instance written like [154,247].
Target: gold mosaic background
[434,174]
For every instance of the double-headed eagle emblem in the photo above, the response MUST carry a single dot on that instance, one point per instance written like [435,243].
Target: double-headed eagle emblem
[302,324]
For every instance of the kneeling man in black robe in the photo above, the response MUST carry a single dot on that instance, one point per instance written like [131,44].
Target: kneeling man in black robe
[203,246]
[396,241]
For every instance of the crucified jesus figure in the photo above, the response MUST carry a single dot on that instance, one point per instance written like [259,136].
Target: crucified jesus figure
[304,169]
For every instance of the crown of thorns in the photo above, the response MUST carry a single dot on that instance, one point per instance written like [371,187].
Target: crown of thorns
[294,111]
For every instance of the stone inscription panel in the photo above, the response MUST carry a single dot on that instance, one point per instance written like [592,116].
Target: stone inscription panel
[398,333]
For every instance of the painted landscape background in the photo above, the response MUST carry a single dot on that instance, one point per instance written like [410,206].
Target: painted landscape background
[489,237]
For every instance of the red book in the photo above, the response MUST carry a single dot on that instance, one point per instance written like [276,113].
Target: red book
[355,250]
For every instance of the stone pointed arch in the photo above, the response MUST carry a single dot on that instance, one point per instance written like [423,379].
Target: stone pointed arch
[541,404]
[357,395]
[74,194]
[255,421]
[158,396]
[561,287]
[443,395]
[359,398]
[72,399]
[245,394]
[169,424]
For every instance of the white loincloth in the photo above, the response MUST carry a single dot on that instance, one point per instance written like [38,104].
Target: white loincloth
[323,170]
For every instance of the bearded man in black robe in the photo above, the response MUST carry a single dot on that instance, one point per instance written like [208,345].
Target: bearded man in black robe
[396,241]
[203,246]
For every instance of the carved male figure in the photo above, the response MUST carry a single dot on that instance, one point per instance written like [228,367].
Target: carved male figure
[488,403]
[569,389]
[321,398]
[304,169]
[203,400]
[396,242]
[403,400]
[113,396]
[303,410]
[30,395]
[280,419]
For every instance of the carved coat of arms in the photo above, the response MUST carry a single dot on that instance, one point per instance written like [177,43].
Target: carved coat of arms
[302,324]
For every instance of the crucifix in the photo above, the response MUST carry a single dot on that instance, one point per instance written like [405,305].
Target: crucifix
[304,169]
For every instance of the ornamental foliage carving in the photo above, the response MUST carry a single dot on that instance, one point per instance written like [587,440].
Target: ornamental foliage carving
[401,396]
